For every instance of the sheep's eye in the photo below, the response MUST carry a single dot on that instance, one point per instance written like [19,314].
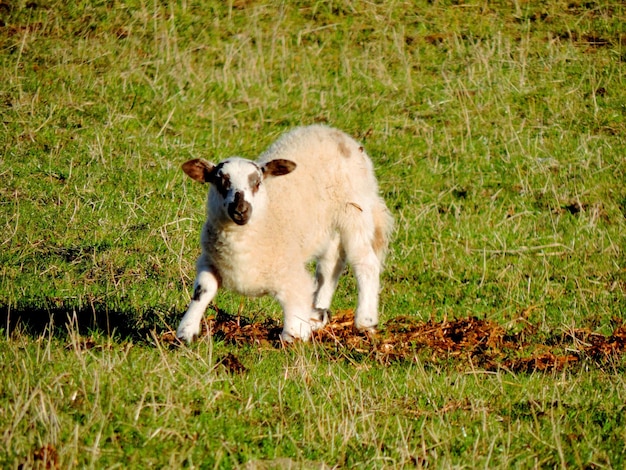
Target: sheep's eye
[225,183]
[222,183]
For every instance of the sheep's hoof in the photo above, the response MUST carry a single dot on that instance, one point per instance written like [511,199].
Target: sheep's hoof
[367,327]
[365,323]
[367,330]
[187,333]
[319,318]
[287,337]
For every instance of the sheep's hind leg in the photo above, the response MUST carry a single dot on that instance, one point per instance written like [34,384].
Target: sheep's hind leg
[366,266]
[319,318]
[205,288]
[328,270]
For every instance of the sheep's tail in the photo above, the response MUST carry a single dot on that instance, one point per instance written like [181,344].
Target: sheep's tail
[383,227]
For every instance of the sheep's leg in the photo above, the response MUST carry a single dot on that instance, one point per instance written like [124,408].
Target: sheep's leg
[367,271]
[296,298]
[366,266]
[205,288]
[328,270]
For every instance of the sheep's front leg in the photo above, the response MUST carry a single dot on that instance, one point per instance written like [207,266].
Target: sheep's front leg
[296,298]
[205,288]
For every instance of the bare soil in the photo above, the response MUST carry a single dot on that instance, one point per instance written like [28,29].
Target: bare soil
[471,342]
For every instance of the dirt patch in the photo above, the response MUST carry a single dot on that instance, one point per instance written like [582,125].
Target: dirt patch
[46,457]
[475,342]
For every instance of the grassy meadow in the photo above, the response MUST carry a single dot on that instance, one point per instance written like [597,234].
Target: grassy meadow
[498,131]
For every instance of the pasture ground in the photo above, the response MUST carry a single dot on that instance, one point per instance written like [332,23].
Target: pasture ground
[498,133]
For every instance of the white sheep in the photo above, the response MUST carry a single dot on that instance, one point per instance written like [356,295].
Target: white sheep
[311,196]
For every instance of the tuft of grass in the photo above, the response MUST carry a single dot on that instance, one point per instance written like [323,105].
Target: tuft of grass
[497,131]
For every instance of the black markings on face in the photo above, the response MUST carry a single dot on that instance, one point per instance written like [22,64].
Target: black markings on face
[239,210]
[237,183]
[220,180]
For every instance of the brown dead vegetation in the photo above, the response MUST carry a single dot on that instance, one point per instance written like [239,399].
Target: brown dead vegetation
[471,342]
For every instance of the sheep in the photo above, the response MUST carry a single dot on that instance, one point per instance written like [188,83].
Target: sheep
[312,195]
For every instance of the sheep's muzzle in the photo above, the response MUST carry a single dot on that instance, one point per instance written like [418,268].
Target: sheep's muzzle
[240,210]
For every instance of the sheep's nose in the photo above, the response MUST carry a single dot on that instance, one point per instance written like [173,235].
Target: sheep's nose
[240,210]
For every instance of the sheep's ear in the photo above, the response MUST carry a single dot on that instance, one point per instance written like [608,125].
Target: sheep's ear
[278,167]
[198,169]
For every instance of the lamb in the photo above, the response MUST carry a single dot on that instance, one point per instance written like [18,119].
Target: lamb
[312,195]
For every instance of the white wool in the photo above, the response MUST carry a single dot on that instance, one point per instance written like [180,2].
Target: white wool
[327,209]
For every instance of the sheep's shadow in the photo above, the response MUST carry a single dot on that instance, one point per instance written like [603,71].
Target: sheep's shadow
[35,320]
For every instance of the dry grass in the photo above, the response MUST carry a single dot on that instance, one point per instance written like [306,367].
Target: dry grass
[497,132]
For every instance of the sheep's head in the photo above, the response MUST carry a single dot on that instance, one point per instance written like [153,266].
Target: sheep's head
[237,182]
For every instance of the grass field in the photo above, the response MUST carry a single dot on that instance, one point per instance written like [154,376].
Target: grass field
[498,131]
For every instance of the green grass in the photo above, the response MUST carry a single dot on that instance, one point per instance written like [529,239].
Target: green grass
[104,403]
[498,133]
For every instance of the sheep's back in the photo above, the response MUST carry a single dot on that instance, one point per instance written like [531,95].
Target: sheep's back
[334,177]
[331,166]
